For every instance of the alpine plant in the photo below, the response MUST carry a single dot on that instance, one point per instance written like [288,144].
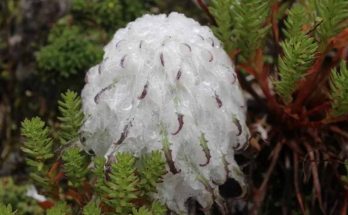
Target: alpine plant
[165,83]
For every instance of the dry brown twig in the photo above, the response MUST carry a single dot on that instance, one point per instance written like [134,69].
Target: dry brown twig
[296,184]
[315,175]
[260,193]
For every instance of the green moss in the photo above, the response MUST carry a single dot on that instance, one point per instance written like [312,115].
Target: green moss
[68,53]
[15,195]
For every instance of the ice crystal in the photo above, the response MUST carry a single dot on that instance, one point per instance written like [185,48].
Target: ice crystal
[166,83]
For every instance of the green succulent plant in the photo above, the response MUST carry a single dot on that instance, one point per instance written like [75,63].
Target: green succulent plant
[127,180]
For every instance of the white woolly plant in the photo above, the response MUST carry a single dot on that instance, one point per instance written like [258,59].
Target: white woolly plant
[167,84]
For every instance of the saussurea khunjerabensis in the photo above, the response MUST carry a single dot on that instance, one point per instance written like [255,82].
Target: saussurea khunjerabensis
[165,83]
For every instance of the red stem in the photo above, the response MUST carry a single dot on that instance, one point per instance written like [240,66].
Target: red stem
[307,85]
[261,192]
[345,205]
[339,131]
[315,175]
[274,20]
[297,187]
[321,107]
[205,8]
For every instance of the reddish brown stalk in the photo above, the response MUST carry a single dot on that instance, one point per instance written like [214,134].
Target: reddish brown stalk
[247,69]
[262,78]
[315,74]
[339,131]
[46,204]
[325,75]
[54,169]
[322,107]
[274,20]
[297,187]
[205,8]
[275,156]
[106,209]
[262,82]
[247,86]
[344,209]
[337,119]
[275,32]
[315,175]
[58,177]
[261,191]
[307,85]
[76,196]
[87,189]
[233,54]
[295,148]
[294,120]
[55,176]
[314,124]
[340,40]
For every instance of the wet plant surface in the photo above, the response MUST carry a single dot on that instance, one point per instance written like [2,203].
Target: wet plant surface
[290,58]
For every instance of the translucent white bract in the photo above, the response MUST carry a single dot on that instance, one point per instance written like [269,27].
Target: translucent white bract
[167,84]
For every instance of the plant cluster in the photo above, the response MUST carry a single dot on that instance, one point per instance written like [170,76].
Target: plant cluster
[289,55]
[78,183]
[68,52]
[296,52]
[16,195]
[75,42]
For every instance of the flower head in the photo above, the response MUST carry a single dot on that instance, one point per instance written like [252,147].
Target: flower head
[167,84]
